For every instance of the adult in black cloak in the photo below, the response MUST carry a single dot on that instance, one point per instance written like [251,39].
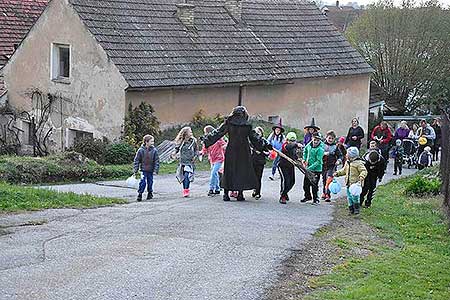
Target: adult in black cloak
[238,172]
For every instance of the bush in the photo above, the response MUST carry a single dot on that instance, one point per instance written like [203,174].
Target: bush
[67,166]
[91,148]
[140,121]
[420,186]
[119,154]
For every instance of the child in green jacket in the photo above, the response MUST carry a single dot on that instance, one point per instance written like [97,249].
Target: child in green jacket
[313,161]
[354,171]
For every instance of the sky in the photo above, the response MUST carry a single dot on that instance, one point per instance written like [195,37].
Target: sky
[446,3]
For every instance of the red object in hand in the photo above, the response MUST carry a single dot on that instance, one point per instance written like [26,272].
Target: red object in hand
[272,155]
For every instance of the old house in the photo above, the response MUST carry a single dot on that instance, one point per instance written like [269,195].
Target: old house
[279,58]
[16,19]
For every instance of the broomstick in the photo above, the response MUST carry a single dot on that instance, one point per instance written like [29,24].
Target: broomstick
[311,176]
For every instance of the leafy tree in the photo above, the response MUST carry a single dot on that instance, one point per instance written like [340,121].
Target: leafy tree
[407,46]
[140,121]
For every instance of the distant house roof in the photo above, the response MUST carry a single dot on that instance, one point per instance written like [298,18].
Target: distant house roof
[343,16]
[16,19]
[277,40]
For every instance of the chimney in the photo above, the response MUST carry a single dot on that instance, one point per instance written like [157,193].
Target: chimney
[234,8]
[337,3]
[185,13]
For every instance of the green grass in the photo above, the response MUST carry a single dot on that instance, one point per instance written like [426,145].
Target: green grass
[417,267]
[19,198]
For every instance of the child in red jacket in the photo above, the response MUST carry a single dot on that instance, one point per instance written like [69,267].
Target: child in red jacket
[216,156]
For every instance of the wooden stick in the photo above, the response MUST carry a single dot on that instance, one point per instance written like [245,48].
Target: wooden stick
[311,176]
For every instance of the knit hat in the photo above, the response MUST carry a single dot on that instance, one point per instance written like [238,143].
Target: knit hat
[342,139]
[352,152]
[291,136]
[398,142]
[427,149]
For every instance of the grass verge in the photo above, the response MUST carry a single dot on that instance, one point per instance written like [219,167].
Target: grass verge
[415,266]
[18,198]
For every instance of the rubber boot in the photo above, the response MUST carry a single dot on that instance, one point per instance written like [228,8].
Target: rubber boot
[356,205]
[351,209]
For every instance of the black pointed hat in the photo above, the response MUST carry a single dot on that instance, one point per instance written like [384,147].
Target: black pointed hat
[313,125]
[278,126]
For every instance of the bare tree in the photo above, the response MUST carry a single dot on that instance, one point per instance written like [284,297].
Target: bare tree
[405,45]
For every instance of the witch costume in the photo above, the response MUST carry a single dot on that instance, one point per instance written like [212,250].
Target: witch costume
[238,170]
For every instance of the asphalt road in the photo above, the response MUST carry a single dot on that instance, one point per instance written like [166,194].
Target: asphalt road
[167,248]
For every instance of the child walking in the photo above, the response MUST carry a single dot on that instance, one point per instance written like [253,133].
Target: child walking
[188,152]
[331,158]
[286,169]
[425,158]
[354,171]
[313,161]
[146,160]
[259,160]
[276,139]
[216,156]
[397,154]
[374,163]
[310,130]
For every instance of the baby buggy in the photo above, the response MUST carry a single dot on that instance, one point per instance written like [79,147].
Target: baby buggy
[410,152]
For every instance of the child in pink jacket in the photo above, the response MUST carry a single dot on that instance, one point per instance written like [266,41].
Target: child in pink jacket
[216,156]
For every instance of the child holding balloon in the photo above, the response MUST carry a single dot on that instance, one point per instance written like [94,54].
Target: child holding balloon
[355,172]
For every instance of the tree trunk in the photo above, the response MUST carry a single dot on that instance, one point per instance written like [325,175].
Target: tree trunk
[445,161]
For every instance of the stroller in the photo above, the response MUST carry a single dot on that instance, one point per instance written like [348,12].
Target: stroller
[410,152]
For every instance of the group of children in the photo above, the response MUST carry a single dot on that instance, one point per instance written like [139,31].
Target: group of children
[245,153]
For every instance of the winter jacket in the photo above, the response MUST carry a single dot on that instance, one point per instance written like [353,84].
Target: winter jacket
[401,133]
[397,153]
[376,169]
[334,154]
[384,134]
[216,152]
[313,156]
[354,171]
[359,133]
[290,149]
[188,151]
[426,159]
[147,159]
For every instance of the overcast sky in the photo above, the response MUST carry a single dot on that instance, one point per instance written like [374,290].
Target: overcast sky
[365,2]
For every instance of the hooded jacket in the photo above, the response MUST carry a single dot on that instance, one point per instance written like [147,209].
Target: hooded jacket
[354,171]
[147,159]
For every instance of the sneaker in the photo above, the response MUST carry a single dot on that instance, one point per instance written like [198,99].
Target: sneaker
[211,193]
[327,198]
[356,205]
[324,196]
[139,198]
[283,200]
[316,201]
[394,174]
[226,197]
[254,194]
[257,197]
[149,196]
[186,193]
[305,199]
[271,177]
[217,192]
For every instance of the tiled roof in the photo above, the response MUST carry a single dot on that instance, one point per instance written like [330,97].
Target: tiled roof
[2,84]
[342,19]
[280,39]
[16,19]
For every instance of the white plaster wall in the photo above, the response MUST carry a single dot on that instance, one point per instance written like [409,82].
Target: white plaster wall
[96,96]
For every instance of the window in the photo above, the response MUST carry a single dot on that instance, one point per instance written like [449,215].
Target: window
[60,62]
[274,119]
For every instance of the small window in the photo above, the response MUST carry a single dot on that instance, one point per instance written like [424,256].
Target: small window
[274,119]
[60,61]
